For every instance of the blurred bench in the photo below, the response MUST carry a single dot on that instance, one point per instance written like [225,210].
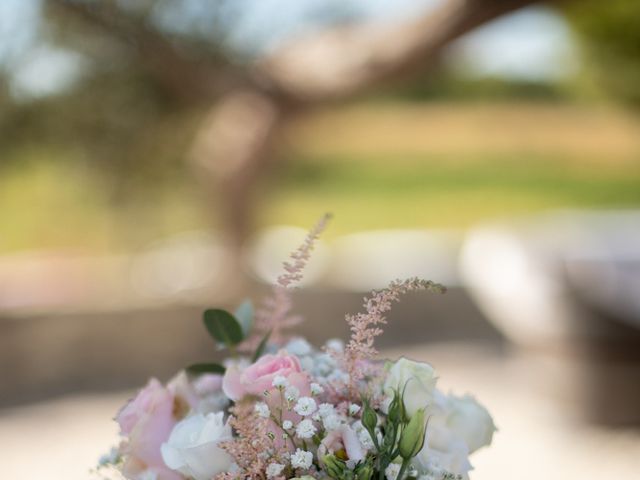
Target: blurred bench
[566,288]
[73,323]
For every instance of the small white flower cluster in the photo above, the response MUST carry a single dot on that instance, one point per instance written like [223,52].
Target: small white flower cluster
[262,409]
[301,459]
[274,469]
[305,406]
[280,382]
[363,435]
[306,429]
[331,420]
[321,365]
[291,393]
[392,471]
[326,409]
[110,458]
[287,424]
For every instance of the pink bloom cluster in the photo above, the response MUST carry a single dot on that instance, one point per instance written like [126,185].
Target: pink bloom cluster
[259,377]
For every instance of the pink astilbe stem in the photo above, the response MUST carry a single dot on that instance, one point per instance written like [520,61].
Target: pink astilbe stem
[274,316]
[250,445]
[366,326]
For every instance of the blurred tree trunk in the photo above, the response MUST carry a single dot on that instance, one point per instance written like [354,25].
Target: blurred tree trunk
[231,150]
[238,138]
[251,104]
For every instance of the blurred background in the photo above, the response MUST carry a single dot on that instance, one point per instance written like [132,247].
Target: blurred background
[158,157]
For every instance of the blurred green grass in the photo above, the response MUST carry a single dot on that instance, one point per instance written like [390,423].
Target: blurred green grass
[374,166]
[454,164]
[50,201]
[437,191]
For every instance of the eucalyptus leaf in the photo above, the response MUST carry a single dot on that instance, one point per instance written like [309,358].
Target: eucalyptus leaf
[245,313]
[223,327]
[199,368]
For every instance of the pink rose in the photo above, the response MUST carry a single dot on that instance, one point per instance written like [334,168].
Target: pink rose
[147,422]
[135,469]
[258,378]
[342,439]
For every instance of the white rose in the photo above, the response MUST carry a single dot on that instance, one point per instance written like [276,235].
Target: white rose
[469,420]
[443,451]
[417,379]
[193,446]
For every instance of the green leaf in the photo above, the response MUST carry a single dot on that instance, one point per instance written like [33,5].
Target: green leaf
[199,368]
[244,314]
[261,346]
[223,327]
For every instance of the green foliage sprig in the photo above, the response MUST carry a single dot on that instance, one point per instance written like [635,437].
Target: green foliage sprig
[228,330]
[403,437]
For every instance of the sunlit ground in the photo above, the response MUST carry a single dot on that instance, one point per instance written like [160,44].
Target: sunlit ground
[539,438]
[374,165]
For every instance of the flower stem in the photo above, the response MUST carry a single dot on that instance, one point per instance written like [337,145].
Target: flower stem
[405,464]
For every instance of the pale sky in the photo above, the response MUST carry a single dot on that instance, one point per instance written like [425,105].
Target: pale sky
[534,43]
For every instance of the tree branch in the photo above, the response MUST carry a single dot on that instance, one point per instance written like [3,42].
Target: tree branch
[348,59]
[184,77]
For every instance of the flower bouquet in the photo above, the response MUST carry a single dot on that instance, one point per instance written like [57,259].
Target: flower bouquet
[279,409]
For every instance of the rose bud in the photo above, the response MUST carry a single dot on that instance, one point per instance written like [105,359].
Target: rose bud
[412,439]
[395,409]
[364,471]
[369,419]
[334,467]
